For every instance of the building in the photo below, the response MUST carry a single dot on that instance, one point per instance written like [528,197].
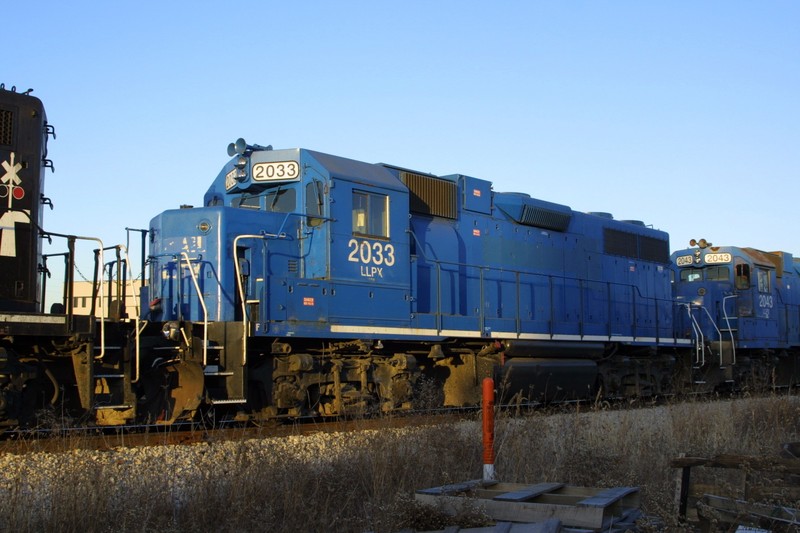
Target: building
[82,298]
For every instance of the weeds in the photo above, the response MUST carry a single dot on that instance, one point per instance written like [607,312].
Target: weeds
[365,481]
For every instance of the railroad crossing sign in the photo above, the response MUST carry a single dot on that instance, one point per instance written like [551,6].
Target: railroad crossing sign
[11,181]
[10,187]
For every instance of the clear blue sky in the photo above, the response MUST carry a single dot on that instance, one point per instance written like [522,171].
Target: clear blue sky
[685,115]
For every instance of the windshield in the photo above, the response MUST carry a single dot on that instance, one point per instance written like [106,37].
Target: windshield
[280,199]
[714,273]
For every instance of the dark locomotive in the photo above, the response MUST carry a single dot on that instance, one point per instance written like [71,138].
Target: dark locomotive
[313,285]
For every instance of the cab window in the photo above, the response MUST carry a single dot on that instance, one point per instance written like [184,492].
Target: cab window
[718,273]
[370,214]
[281,200]
[742,276]
[691,274]
[247,202]
[314,199]
[314,203]
[763,280]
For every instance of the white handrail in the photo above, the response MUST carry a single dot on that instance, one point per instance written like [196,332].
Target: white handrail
[700,351]
[136,298]
[728,323]
[202,301]
[138,349]
[100,292]
[240,288]
[713,323]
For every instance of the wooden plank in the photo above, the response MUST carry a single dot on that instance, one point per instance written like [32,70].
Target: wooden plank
[570,515]
[776,464]
[548,526]
[528,493]
[738,511]
[574,507]
[688,462]
[608,496]
[454,488]
[785,493]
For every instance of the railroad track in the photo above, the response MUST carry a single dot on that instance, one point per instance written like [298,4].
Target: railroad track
[106,438]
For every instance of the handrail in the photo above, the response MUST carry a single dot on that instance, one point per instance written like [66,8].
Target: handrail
[136,319]
[714,323]
[728,323]
[202,301]
[240,288]
[122,248]
[139,331]
[700,350]
[582,284]
[71,241]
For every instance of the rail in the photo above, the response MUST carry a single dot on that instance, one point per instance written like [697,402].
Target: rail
[139,324]
[698,332]
[699,347]
[69,281]
[719,333]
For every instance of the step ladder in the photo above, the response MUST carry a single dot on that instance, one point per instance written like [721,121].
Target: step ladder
[112,396]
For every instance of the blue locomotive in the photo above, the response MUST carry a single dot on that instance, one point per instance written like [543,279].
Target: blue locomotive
[317,284]
[314,285]
[741,308]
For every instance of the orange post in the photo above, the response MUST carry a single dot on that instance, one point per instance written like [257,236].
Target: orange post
[488,430]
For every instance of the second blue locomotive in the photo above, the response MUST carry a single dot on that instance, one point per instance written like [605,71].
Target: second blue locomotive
[741,308]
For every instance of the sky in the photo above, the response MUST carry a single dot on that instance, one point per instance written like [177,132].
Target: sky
[683,114]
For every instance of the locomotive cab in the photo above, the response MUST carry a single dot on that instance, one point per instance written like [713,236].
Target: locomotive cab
[292,250]
[338,241]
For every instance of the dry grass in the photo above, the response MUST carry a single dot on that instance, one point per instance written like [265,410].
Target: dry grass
[369,486]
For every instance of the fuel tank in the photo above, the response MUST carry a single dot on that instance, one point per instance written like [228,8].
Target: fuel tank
[553,349]
[534,379]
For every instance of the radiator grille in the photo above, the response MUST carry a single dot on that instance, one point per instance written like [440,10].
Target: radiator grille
[635,246]
[651,249]
[431,196]
[544,218]
[6,127]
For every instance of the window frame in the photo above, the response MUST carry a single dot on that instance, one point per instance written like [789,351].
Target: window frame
[375,212]
[764,282]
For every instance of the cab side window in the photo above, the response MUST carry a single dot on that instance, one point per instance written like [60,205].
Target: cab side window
[314,203]
[370,214]
[742,276]
[763,280]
